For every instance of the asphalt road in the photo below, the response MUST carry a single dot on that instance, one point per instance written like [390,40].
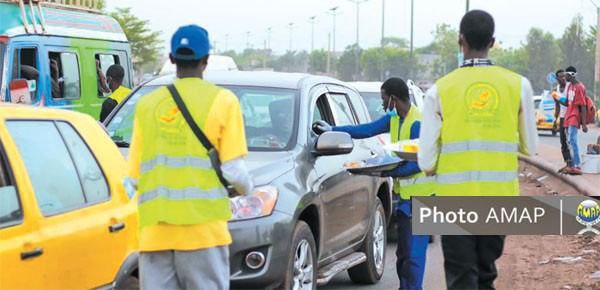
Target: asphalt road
[584,138]
[434,272]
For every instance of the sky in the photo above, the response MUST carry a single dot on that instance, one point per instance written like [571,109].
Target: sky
[237,24]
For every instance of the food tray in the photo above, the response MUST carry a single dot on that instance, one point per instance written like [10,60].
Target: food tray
[376,165]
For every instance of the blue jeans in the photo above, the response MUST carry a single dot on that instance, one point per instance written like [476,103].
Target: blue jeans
[572,132]
[411,251]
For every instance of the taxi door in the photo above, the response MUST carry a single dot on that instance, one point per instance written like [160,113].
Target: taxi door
[83,231]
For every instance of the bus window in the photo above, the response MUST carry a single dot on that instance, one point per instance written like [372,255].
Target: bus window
[103,62]
[25,66]
[64,72]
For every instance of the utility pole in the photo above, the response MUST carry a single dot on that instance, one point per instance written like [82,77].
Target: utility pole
[467,8]
[328,53]
[247,39]
[412,31]
[269,37]
[597,64]
[382,64]
[291,27]
[356,49]
[333,12]
[312,20]
[227,42]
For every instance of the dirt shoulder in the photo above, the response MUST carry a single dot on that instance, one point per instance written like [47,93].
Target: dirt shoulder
[548,262]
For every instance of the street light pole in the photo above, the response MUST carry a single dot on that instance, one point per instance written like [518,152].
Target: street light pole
[291,27]
[269,37]
[356,49]
[467,8]
[382,64]
[226,42]
[312,22]
[333,12]
[412,30]
[247,39]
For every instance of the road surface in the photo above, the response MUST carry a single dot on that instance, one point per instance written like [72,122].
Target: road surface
[584,138]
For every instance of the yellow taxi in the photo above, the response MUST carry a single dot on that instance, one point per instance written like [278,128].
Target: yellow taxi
[66,219]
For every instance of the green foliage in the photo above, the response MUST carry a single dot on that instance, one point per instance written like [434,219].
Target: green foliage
[543,57]
[578,50]
[145,43]
[317,61]
[514,59]
[445,44]
[393,61]
[346,64]
[292,61]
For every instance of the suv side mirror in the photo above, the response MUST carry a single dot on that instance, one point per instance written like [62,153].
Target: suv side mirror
[333,143]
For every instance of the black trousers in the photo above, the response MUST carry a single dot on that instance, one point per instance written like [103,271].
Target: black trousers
[470,261]
[564,146]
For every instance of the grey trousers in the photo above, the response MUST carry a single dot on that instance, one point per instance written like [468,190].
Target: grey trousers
[170,270]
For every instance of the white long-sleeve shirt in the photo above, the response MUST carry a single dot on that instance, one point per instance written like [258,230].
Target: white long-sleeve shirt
[431,127]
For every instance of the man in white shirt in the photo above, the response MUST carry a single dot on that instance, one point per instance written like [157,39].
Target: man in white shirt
[475,121]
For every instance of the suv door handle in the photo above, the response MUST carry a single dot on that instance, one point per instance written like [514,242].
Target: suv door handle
[116,227]
[32,254]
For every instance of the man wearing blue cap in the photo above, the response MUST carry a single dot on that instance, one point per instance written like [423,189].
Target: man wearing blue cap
[188,142]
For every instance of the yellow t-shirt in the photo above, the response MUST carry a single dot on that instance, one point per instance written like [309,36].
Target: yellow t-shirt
[119,94]
[224,127]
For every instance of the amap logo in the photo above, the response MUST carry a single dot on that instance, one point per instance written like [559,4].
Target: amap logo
[588,214]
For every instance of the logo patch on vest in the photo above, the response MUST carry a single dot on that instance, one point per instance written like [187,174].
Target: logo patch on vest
[482,100]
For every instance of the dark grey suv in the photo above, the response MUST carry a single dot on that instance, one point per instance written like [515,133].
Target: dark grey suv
[308,219]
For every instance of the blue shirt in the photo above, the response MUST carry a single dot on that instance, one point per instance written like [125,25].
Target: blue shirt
[382,126]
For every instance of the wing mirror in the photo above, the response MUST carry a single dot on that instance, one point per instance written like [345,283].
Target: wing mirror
[333,143]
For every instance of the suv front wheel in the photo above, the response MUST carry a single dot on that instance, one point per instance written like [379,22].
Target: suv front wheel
[371,270]
[302,268]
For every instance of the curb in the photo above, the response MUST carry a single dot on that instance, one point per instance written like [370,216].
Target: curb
[587,191]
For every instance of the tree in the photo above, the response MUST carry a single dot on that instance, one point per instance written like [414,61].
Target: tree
[145,44]
[445,45]
[578,49]
[394,61]
[543,57]
[292,61]
[317,61]
[346,64]
[514,59]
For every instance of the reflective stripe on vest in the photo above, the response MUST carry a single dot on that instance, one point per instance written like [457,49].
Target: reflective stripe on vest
[175,162]
[479,135]
[182,194]
[455,147]
[418,184]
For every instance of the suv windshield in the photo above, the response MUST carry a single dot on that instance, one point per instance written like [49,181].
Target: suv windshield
[268,117]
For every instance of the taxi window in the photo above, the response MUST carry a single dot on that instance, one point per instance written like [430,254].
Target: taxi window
[11,212]
[92,178]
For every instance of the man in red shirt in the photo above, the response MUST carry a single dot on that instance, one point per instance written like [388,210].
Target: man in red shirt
[575,117]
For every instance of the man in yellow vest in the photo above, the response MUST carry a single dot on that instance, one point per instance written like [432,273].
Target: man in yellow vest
[114,77]
[183,205]
[403,123]
[475,121]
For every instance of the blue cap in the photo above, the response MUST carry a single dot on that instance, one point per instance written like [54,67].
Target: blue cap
[192,37]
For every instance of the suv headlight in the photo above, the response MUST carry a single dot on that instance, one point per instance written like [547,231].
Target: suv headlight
[259,203]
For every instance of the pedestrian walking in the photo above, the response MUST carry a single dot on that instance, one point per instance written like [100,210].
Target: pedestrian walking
[575,117]
[560,109]
[403,122]
[114,77]
[475,121]
[183,203]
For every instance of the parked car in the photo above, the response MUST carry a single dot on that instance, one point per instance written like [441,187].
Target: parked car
[66,221]
[54,58]
[544,112]
[316,220]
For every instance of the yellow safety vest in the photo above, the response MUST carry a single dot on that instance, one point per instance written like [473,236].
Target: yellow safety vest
[479,136]
[418,184]
[177,184]
[119,94]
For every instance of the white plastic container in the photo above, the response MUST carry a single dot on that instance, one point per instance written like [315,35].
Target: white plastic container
[590,163]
